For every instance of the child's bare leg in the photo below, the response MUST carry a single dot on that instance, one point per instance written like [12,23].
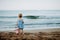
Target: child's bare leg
[17,31]
[21,31]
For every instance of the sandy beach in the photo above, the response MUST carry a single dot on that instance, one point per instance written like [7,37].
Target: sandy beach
[38,34]
[43,30]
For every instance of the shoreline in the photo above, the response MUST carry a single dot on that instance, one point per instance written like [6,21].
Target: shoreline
[37,30]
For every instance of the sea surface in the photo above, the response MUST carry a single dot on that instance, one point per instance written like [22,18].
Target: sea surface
[33,19]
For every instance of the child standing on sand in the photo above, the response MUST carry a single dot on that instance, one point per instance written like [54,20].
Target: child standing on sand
[20,24]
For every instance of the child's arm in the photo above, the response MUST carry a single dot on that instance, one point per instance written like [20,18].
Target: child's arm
[23,21]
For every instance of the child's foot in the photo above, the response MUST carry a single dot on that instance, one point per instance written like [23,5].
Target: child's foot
[16,31]
[17,34]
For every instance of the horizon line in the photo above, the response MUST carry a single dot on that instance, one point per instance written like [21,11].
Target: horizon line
[4,10]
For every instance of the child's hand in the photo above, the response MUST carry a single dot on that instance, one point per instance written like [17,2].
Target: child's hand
[22,22]
[15,27]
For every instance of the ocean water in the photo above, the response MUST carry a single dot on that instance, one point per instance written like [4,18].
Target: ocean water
[33,19]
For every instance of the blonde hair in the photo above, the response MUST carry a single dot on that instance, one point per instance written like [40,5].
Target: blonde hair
[20,15]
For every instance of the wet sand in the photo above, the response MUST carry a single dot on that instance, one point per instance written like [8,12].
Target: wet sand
[39,34]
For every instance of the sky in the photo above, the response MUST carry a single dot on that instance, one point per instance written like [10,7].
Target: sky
[29,4]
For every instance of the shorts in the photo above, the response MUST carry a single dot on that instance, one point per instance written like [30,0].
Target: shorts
[21,28]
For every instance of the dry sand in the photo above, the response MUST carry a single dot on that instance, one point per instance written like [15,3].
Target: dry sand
[38,34]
